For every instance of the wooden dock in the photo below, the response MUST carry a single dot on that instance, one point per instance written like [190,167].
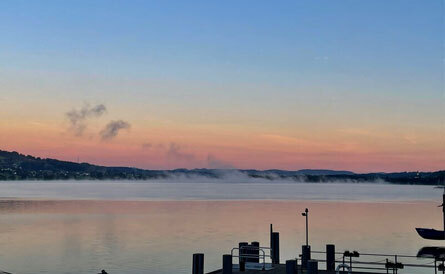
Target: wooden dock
[278,269]
[256,259]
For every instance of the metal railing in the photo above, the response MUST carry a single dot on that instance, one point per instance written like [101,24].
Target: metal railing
[385,265]
[243,255]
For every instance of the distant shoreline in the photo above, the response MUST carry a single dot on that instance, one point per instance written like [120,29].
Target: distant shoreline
[19,167]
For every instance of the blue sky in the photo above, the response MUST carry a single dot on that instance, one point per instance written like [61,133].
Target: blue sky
[234,38]
[281,65]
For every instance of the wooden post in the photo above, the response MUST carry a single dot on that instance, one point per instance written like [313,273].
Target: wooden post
[305,255]
[242,266]
[312,267]
[242,252]
[275,248]
[227,264]
[291,267]
[198,263]
[271,230]
[255,252]
[330,257]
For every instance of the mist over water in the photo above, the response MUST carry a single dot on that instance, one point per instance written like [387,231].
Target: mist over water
[215,189]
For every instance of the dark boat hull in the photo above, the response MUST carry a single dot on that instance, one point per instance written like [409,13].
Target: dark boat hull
[431,234]
[437,252]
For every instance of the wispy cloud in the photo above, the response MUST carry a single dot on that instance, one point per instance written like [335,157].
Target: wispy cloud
[112,129]
[174,153]
[215,163]
[78,118]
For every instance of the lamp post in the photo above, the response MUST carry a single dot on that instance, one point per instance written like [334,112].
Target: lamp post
[305,214]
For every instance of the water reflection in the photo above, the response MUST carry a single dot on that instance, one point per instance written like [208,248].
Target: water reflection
[160,236]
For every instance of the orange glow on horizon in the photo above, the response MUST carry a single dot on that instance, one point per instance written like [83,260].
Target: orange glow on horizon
[230,147]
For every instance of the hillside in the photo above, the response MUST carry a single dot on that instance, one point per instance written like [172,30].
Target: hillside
[16,166]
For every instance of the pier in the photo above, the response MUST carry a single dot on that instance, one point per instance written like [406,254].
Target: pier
[252,258]
[279,269]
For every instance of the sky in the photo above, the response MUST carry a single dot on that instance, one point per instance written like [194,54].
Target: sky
[346,85]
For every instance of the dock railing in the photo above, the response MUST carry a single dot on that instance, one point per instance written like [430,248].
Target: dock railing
[252,254]
[383,263]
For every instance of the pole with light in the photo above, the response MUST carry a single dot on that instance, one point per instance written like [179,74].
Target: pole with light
[306,214]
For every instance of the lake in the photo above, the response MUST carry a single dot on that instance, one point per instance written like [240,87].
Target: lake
[156,226]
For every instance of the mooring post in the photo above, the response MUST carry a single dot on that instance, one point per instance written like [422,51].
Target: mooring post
[242,266]
[312,267]
[248,253]
[198,263]
[291,267]
[242,252]
[330,257]
[227,264]
[305,255]
[255,252]
[271,230]
[275,248]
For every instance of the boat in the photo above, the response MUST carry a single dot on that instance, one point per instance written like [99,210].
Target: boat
[431,234]
[437,252]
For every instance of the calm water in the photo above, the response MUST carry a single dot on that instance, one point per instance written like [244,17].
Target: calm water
[155,227]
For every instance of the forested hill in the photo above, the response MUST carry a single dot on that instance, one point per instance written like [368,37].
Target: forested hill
[16,166]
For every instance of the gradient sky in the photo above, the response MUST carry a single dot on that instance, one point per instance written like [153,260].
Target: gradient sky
[356,85]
